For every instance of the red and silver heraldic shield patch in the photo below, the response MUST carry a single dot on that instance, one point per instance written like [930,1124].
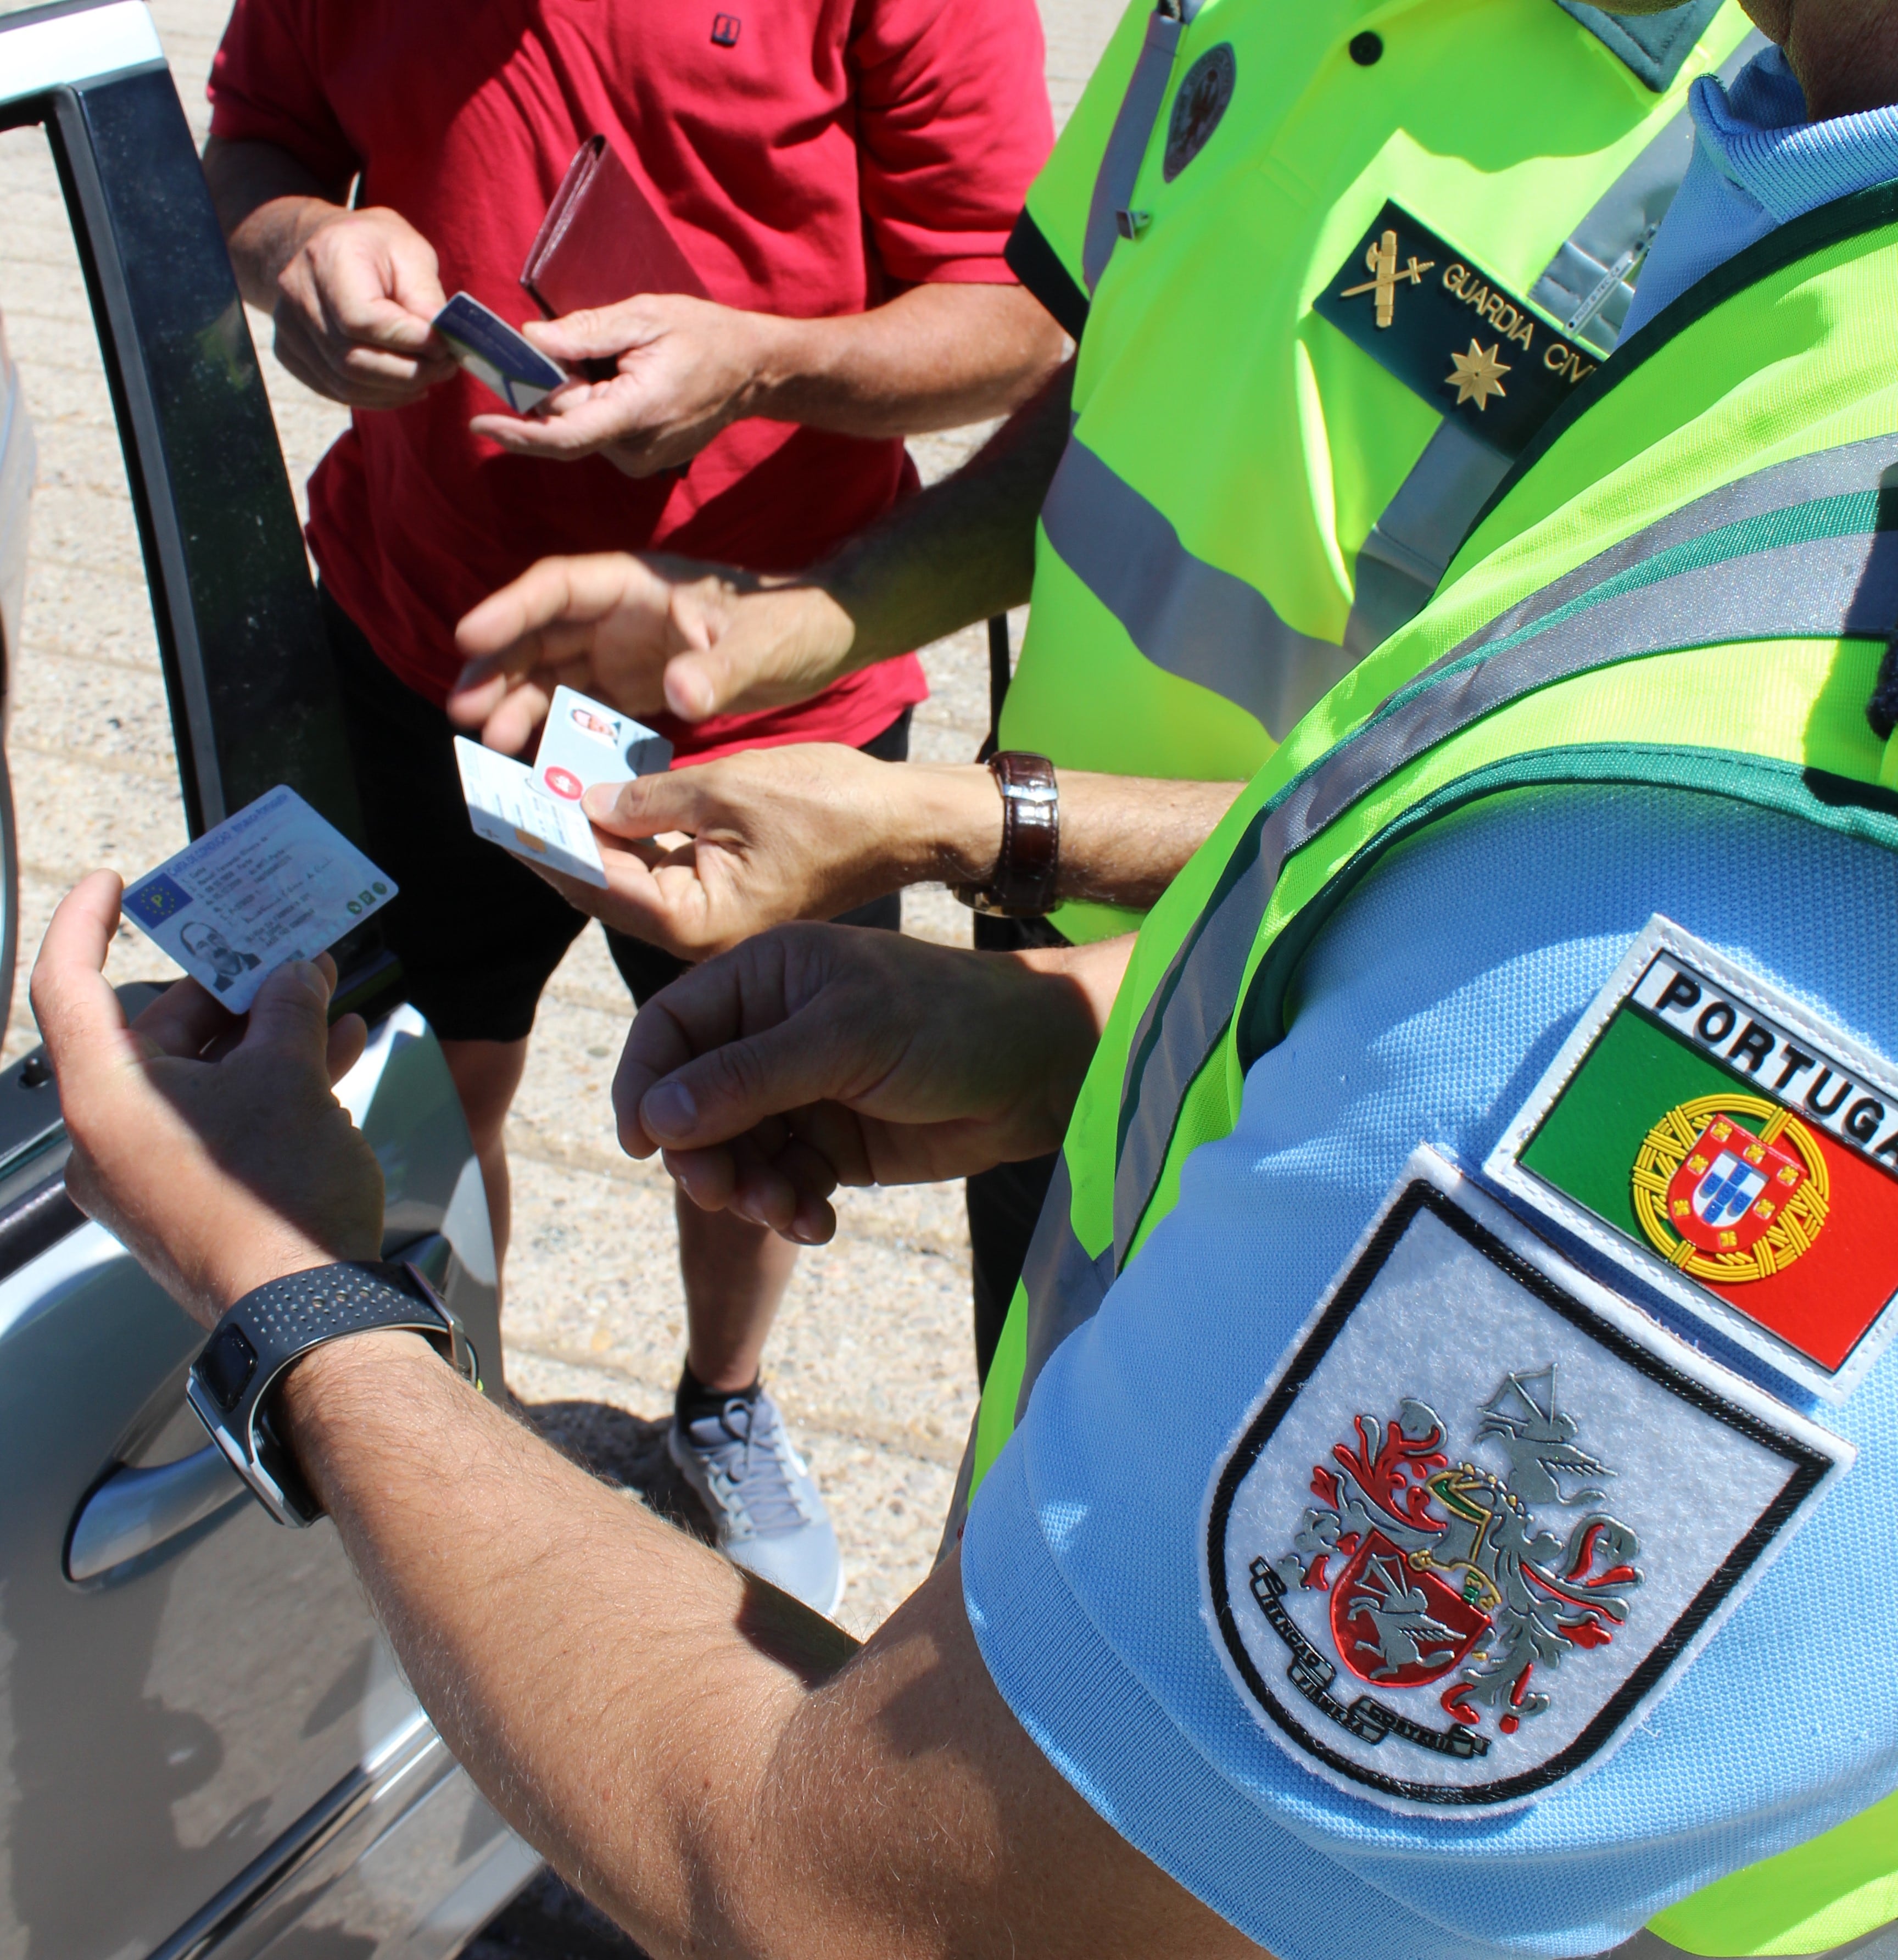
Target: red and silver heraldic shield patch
[1486,1513]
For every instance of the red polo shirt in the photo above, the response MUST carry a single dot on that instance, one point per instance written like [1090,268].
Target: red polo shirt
[831,154]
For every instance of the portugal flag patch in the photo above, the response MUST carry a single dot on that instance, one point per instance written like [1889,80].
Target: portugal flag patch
[1701,1127]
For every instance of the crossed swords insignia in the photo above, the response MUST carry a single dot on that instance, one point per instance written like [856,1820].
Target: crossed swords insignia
[1381,262]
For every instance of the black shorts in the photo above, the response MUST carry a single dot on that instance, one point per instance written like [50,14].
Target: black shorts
[479,934]
[1004,1203]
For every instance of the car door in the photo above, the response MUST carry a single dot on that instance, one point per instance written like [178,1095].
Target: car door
[206,1748]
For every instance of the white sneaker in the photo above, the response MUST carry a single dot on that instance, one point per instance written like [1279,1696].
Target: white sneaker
[764,1500]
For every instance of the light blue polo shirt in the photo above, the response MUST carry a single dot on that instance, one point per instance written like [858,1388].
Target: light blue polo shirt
[1757,164]
[1425,1010]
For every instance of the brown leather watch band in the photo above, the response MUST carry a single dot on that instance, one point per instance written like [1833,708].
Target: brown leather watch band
[1023,886]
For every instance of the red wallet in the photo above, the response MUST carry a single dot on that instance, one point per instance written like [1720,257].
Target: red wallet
[601,240]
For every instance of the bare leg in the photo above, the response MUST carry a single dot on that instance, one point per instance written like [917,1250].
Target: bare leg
[486,1074]
[735,1274]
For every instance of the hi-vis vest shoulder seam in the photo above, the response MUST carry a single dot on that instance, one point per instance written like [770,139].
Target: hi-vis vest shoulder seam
[1834,223]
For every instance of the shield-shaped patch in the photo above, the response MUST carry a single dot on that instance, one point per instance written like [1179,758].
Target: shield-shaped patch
[1487,1512]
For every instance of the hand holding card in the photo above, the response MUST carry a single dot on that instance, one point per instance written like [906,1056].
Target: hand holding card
[275,883]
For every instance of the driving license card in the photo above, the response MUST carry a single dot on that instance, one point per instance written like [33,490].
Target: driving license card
[274,883]
[583,742]
[491,351]
[504,807]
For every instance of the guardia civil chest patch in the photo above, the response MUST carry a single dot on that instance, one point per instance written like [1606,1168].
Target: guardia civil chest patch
[1458,338]
[1710,1135]
[1486,1513]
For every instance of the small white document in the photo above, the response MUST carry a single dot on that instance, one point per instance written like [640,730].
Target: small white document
[507,807]
[273,883]
[535,812]
[583,742]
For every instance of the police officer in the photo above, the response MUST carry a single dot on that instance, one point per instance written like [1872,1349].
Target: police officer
[1299,1493]
[1328,271]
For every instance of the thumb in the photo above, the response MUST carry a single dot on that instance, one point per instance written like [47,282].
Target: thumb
[649,805]
[704,681]
[290,1016]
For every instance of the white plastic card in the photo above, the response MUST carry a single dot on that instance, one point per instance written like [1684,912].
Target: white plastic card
[506,807]
[583,742]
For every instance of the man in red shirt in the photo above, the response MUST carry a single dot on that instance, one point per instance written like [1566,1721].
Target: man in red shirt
[842,178]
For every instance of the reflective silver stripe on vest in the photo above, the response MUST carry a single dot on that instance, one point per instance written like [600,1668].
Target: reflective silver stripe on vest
[1589,284]
[1804,557]
[1403,561]
[1185,615]
[1127,144]
[1063,1286]
[1882,1944]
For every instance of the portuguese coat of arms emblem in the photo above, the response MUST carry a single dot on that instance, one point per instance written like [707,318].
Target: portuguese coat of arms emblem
[1722,1201]
[1487,1512]
[1447,1575]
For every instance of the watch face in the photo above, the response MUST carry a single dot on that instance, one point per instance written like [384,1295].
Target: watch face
[226,1365]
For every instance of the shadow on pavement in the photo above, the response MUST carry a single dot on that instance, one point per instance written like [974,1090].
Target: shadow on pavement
[623,1449]
[551,1921]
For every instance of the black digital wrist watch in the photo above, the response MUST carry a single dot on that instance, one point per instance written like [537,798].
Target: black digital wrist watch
[232,1384]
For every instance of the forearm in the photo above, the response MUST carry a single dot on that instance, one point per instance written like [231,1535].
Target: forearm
[936,357]
[267,204]
[960,551]
[615,1688]
[714,1765]
[1123,839]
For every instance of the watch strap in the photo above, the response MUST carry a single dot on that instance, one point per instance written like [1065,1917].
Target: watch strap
[232,1383]
[1026,866]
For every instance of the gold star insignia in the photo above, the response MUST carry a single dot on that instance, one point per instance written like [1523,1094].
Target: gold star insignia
[1478,375]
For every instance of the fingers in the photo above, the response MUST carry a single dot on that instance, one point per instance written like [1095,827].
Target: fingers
[787,1193]
[347,1039]
[596,333]
[481,695]
[377,292]
[576,423]
[724,1093]
[556,591]
[365,378]
[184,1020]
[290,1016]
[518,716]
[80,1016]
[650,805]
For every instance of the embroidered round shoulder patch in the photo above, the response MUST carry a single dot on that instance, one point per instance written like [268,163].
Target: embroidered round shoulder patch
[1197,108]
[1487,1513]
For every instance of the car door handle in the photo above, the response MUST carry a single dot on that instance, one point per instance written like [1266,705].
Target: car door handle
[133,1510]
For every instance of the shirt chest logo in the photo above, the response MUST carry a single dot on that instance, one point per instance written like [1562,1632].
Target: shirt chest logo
[1487,1513]
[1453,336]
[1713,1138]
[1199,107]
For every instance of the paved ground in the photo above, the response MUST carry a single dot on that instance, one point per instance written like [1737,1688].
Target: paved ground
[871,1359]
